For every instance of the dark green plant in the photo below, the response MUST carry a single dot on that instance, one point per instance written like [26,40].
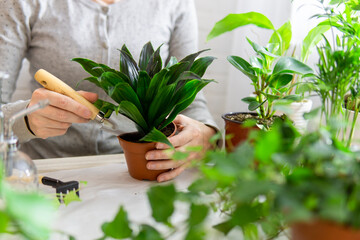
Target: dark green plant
[271,72]
[148,93]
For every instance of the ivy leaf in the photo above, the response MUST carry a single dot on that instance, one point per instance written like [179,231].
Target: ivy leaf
[119,228]
[207,186]
[162,200]
[198,213]
[148,233]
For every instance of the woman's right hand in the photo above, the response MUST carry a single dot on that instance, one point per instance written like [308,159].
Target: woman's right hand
[55,119]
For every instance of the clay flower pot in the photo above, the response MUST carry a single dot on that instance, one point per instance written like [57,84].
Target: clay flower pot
[323,230]
[135,155]
[236,130]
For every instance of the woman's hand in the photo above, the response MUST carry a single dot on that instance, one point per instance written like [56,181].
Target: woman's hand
[191,133]
[55,119]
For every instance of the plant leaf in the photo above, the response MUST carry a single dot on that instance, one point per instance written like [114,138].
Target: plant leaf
[291,65]
[232,21]
[145,55]
[282,37]
[200,65]
[162,98]
[119,228]
[156,136]
[130,110]
[314,36]
[124,92]
[89,66]
[147,232]
[243,66]
[162,202]
[128,66]
[155,63]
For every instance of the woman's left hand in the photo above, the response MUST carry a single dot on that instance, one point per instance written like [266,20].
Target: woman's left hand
[191,133]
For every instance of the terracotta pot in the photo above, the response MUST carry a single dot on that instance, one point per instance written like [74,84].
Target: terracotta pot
[323,230]
[236,129]
[135,156]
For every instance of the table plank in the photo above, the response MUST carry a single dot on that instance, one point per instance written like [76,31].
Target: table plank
[58,164]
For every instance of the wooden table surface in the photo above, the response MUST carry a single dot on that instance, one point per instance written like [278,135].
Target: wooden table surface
[58,164]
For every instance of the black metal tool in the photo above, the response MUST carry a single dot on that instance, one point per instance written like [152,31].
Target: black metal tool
[62,188]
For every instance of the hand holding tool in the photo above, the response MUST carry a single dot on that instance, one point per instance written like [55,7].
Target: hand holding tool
[50,82]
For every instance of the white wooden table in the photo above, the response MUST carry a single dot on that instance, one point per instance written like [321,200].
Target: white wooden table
[109,186]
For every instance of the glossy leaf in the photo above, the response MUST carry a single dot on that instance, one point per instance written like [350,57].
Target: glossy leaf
[232,21]
[155,63]
[142,88]
[89,66]
[291,65]
[182,105]
[124,92]
[191,58]
[243,66]
[261,50]
[200,65]
[156,83]
[156,136]
[145,55]
[128,66]
[175,71]
[173,60]
[130,110]
[280,81]
[159,102]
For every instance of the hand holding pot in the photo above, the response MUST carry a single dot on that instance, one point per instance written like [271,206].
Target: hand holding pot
[191,133]
[55,119]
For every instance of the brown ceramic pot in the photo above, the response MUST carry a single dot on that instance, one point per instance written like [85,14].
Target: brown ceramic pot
[236,130]
[135,156]
[323,230]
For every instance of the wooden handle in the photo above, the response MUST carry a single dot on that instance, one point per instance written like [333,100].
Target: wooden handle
[50,82]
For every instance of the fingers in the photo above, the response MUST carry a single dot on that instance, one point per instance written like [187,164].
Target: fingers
[55,119]
[90,96]
[166,176]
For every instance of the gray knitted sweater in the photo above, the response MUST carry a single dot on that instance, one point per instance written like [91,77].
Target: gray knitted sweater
[51,32]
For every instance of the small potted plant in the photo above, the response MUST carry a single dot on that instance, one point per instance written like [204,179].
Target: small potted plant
[271,72]
[148,94]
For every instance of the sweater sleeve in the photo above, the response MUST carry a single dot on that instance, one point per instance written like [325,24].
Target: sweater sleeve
[15,37]
[184,41]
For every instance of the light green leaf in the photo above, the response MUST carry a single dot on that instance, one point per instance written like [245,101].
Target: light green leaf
[291,65]
[233,21]
[118,228]
[162,200]
[314,36]
[71,197]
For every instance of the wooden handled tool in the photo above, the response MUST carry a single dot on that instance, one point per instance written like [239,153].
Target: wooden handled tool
[50,82]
